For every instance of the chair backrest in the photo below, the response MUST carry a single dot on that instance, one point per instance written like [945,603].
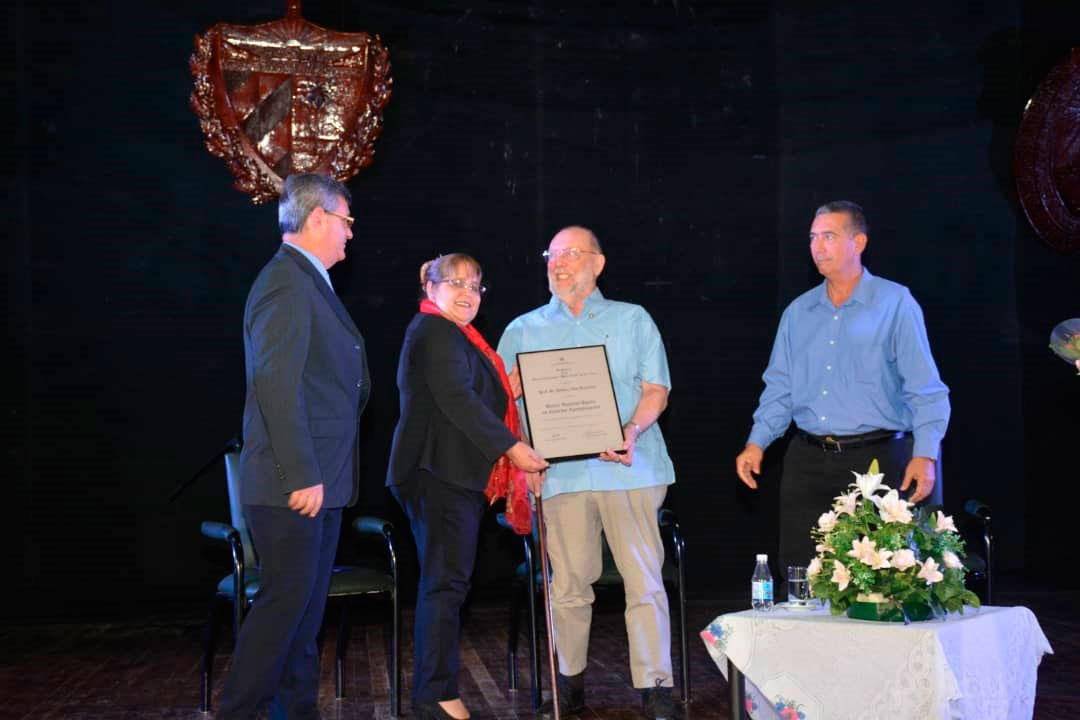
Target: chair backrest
[236,509]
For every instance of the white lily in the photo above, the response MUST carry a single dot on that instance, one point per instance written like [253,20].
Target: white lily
[951,560]
[944,523]
[827,521]
[893,509]
[903,559]
[930,572]
[879,559]
[823,548]
[814,567]
[847,503]
[840,575]
[868,484]
[863,550]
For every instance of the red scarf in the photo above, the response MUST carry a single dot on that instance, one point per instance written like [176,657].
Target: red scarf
[506,479]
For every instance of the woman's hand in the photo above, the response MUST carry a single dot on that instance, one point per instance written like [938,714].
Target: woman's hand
[526,458]
[535,481]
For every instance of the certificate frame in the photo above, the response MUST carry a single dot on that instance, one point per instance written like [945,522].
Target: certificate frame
[570,404]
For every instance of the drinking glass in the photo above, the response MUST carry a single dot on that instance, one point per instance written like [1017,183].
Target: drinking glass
[798,586]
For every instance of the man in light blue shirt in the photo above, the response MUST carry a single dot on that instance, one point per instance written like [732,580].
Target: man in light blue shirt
[618,492]
[851,365]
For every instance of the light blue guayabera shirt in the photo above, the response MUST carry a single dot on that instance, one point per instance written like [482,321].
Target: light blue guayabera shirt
[314,261]
[635,353]
[863,366]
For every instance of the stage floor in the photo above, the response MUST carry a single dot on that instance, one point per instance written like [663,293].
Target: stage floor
[149,667]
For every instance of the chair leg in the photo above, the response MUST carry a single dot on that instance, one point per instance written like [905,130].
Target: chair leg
[209,646]
[534,643]
[684,650]
[512,637]
[239,611]
[342,648]
[395,659]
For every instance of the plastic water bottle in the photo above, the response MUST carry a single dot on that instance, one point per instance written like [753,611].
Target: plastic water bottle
[761,585]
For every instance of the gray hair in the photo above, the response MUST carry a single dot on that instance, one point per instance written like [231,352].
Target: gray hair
[856,216]
[302,194]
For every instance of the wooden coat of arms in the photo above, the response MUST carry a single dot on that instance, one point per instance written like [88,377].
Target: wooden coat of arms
[1047,157]
[289,96]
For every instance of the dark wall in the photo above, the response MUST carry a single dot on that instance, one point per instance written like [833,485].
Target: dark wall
[696,141]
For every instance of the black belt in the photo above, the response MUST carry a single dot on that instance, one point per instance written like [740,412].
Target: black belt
[838,443]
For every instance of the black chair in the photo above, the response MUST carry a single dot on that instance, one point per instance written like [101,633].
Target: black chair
[346,582]
[528,587]
[976,532]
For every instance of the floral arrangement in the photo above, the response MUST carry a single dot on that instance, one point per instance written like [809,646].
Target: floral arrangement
[874,547]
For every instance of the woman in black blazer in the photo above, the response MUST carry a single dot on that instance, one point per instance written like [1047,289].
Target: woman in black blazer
[457,436]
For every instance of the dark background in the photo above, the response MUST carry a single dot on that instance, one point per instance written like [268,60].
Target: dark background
[696,139]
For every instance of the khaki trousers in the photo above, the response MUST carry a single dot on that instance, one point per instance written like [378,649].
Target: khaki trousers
[628,520]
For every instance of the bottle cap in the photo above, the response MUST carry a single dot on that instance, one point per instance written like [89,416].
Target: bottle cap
[762,557]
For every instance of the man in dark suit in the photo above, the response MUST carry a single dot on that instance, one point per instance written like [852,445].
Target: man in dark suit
[307,383]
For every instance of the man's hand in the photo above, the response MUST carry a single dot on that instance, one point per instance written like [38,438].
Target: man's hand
[924,472]
[515,382]
[535,481]
[526,458]
[307,501]
[626,457]
[747,462]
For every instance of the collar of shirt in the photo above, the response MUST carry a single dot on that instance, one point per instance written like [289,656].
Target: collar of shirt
[313,260]
[592,303]
[863,293]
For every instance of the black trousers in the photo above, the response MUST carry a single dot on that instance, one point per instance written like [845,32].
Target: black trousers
[276,661]
[445,521]
[812,477]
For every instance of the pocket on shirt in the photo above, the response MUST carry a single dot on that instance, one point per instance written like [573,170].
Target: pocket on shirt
[867,362]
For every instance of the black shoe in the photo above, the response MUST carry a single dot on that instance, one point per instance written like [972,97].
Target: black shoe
[431,711]
[658,704]
[571,698]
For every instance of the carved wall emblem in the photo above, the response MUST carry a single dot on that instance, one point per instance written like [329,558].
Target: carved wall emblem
[289,96]
[1047,157]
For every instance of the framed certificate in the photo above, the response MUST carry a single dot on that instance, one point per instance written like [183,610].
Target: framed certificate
[570,402]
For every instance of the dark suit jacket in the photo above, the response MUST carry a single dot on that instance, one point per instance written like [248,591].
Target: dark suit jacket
[452,407]
[307,383]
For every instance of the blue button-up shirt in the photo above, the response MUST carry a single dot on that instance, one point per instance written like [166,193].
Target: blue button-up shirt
[863,366]
[635,354]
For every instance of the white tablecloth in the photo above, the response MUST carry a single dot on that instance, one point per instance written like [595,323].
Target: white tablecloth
[804,665]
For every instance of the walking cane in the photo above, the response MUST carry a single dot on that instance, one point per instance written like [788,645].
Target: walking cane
[548,621]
